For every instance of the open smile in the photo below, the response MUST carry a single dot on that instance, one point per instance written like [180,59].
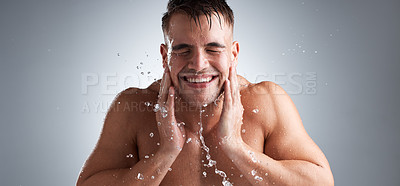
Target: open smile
[198,81]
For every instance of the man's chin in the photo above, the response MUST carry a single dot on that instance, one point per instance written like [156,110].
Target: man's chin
[199,101]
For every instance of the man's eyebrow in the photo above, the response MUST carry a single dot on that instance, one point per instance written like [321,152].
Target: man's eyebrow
[215,44]
[181,46]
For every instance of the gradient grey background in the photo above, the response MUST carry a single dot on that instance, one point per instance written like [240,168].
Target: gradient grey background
[46,47]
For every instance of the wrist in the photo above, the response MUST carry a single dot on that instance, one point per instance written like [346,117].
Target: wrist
[231,145]
[170,151]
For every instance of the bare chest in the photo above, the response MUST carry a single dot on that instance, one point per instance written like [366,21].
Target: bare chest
[201,161]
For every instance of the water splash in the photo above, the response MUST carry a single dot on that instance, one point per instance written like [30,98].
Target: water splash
[211,162]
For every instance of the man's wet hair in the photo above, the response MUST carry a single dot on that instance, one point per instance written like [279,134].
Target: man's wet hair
[196,8]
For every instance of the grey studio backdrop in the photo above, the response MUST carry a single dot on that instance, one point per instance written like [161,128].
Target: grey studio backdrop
[63,62]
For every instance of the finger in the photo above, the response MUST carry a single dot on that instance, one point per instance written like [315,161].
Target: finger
[166,83]
[160,92]
[232,83]
[237,86]
[227,94]
[182,129]
[171,103]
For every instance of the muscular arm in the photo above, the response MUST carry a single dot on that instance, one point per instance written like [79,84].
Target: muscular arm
[293,158]
[115,159]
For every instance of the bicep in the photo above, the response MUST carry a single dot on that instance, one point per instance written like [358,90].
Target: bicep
[116,147]
[289,140]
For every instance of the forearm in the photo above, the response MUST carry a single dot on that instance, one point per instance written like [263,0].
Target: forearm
[150,171]
[259,168]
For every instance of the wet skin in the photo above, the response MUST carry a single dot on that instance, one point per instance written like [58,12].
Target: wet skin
[271,142]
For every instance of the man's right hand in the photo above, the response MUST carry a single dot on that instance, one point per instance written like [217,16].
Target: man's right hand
[172,133]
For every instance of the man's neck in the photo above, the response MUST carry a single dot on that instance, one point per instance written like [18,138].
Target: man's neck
[190,115]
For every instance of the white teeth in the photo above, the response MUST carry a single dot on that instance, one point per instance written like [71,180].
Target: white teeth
[199,80]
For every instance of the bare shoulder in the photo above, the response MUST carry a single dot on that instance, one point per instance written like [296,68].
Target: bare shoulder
[259,101]
[117,146]
[287,137]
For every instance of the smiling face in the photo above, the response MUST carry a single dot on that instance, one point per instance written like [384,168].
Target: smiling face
[198,57]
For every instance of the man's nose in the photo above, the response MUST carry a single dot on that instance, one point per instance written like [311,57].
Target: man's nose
[198,61]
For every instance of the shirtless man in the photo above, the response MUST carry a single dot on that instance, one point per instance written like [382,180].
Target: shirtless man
[234,132]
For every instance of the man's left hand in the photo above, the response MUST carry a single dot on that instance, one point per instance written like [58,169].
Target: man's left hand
[232,112]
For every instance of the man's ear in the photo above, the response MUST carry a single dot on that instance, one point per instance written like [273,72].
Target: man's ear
[235,52]
[164,55]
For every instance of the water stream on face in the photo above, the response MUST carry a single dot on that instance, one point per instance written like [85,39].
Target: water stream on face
[211,162]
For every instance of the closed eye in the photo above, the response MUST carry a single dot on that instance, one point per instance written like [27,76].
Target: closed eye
[183,53]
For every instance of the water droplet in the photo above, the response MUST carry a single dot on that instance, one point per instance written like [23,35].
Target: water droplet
[204,174]
[283,54]
[226,183]
[158,144]
[152,177]
[147,103]
[188,140]
[129,156]
[159,123]
[147,156]
[156,108]
[304,51]
[258,178]
[140,176]
[179,148]
[315,52]
[151,134]
[141,63]
[142,73]
[164,112]
[243,130]
[266,174]
[253,172]
[255,111]
[170,169]
[119,102]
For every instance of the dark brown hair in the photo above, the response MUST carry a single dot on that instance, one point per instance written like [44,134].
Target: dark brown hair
[196,8]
